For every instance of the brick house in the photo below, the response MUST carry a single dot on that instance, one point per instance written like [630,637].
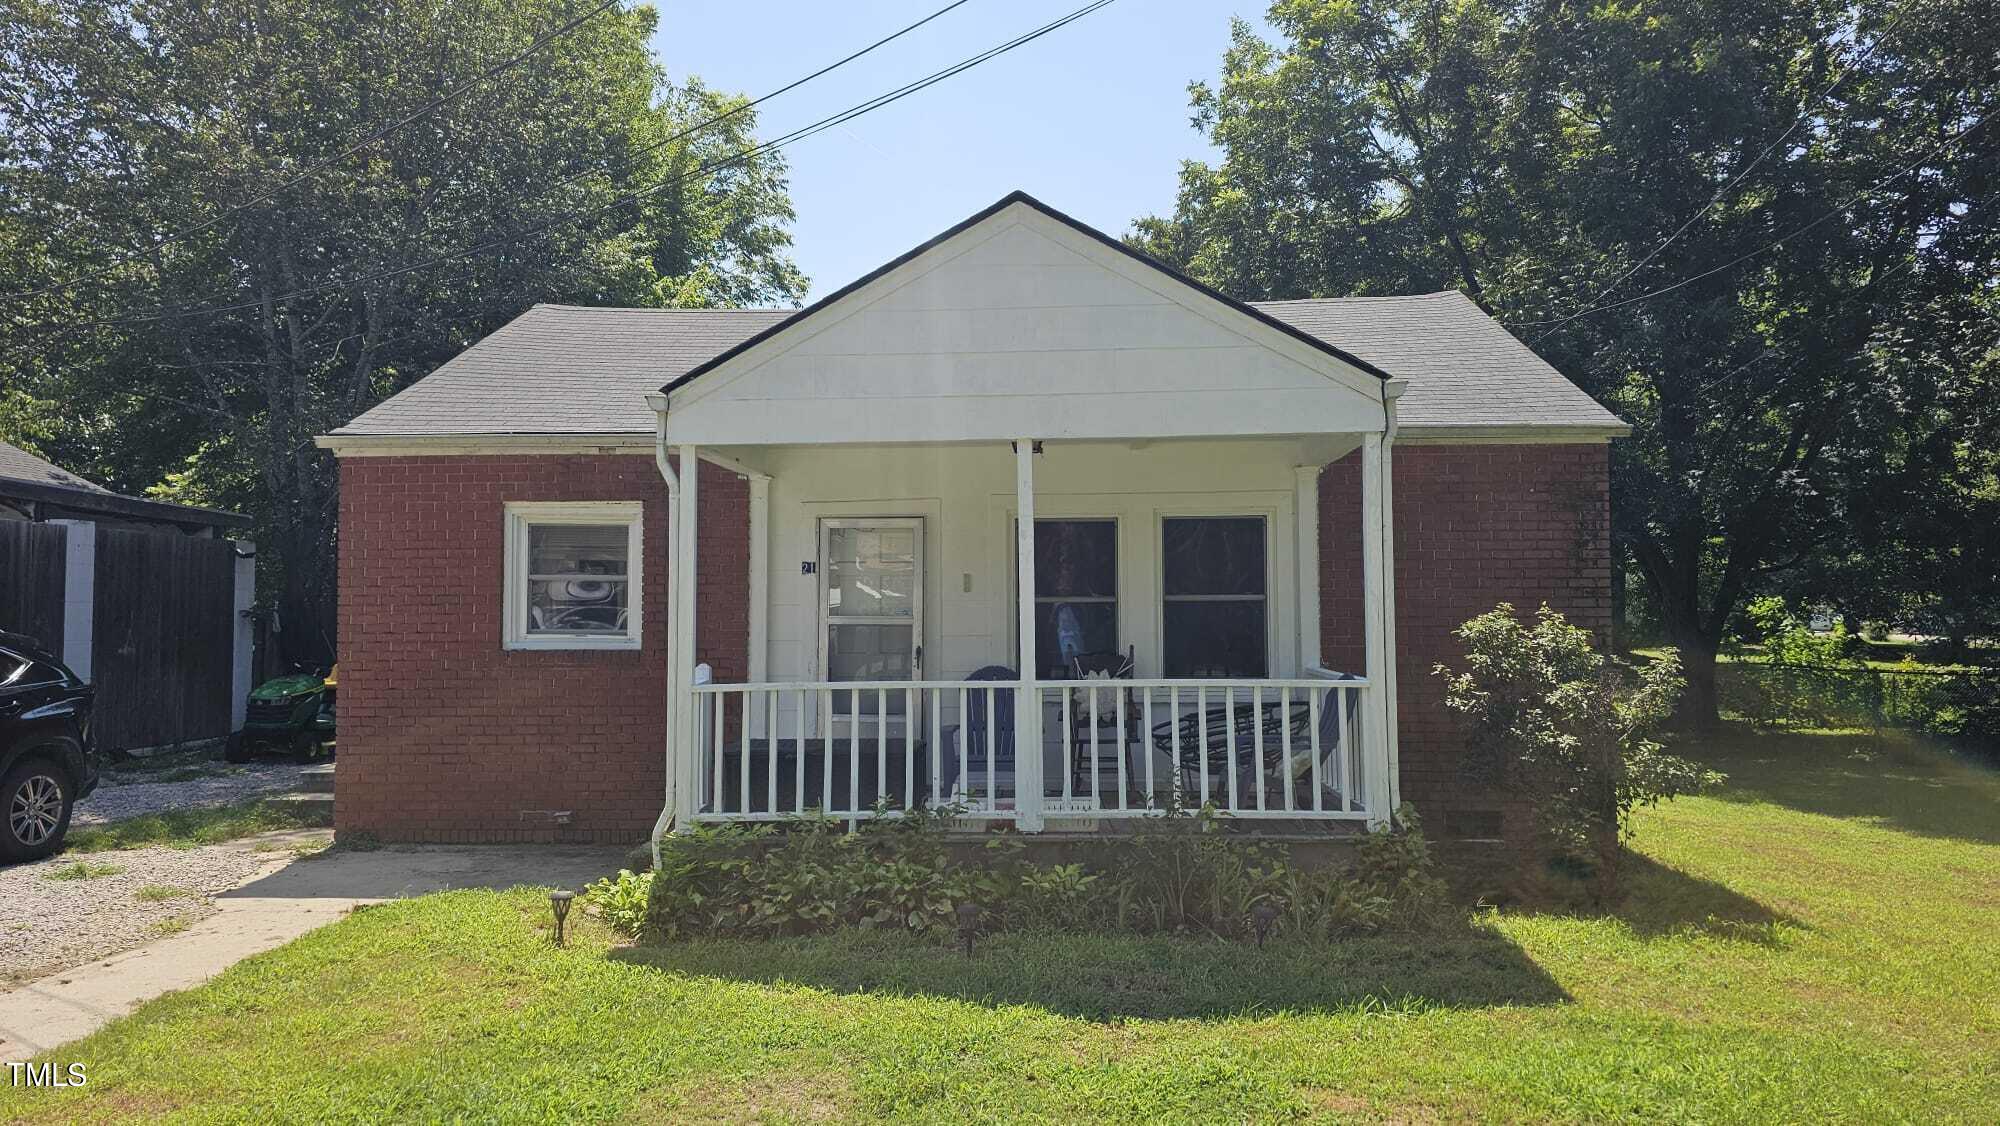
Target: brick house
[1021,522]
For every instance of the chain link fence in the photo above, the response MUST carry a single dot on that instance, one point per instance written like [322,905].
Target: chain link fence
[1962,705]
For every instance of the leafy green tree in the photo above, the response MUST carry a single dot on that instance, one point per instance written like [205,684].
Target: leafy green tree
[1715,216]
[190,298]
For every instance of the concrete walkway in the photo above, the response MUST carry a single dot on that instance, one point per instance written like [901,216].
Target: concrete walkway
[285,900]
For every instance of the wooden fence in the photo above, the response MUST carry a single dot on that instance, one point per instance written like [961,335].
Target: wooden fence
[163,628]
[31,580]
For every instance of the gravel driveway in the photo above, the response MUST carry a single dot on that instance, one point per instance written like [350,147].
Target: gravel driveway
[51,923]
[182,784]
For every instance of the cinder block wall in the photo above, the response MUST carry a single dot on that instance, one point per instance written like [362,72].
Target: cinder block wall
[1475,525]
[444,735]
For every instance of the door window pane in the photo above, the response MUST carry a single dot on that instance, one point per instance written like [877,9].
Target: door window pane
[871,572]
[868,652]
[1214,614]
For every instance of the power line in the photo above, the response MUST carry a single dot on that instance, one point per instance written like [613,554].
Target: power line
[1805,111]
[321,165]
[750,105]
[1838,209]
[796,135]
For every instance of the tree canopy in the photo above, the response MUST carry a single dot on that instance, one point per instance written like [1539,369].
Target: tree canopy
[1761,231]
[205,260]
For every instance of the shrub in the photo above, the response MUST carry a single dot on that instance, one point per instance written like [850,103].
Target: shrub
[1551,722]
[1184,873]
[620,900]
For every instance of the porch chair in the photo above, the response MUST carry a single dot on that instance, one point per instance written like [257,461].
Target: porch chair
[1210,744]
[973,733]
[1110,665]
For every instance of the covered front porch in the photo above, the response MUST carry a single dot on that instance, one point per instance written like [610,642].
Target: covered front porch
[1033,536]
[1166,593]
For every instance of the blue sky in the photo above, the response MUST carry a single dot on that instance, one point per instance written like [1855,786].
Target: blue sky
[1092,118]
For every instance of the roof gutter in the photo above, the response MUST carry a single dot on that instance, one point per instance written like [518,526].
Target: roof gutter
[658,402]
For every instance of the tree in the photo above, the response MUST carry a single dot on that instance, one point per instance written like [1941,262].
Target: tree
[191,299]
[1714,216]
[1920,550]
[1551,721]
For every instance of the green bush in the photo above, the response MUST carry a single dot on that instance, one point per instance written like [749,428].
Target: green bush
[620,900]
[1551,720]
[1184,873]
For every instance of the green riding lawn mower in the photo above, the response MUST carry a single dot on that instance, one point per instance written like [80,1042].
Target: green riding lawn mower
[293,713]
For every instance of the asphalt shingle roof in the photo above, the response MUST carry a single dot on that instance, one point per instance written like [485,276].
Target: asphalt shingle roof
[1463,368]
[17,464]
[560,369]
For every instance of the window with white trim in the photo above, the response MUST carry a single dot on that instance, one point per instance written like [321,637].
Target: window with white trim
[572,575]
[1214,618]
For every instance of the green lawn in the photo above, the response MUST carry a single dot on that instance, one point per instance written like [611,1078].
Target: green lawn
[187,828]
[1816,943]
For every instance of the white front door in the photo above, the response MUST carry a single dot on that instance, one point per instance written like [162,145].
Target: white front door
[871,612]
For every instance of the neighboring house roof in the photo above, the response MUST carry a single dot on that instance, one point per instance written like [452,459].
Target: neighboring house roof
[17,464]
[564,370]
[58,493]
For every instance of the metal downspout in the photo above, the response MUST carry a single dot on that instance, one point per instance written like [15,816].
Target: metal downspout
[659,404]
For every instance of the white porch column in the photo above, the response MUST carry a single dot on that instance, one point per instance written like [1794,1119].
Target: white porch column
[1306,501]
[760,581]
[1028,706]
[687,725]
[1379,785]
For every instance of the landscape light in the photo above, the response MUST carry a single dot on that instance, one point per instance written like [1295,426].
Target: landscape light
[559,903]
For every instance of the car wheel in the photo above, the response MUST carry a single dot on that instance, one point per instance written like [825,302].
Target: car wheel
[34,810]
[237,749]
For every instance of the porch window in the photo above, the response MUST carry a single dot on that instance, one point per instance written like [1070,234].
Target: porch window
[572,575]
[1076,592]
[1214,612]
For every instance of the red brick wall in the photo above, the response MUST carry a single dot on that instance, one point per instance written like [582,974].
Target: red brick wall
[1474,526]
[444,735]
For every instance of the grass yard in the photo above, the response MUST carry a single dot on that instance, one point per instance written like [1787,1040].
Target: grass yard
[187,828]
[1816,943]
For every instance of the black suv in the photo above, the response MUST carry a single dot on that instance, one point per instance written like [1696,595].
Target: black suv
[47,761]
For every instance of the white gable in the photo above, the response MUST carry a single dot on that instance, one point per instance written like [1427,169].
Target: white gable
[1021,325]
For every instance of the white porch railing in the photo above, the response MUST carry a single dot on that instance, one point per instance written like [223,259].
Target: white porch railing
[1284,749]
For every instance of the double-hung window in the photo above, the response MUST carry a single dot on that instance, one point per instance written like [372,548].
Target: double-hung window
[572,575]
[1214,612]
[1076,592]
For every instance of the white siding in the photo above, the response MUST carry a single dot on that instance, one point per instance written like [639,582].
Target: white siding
[1022,325]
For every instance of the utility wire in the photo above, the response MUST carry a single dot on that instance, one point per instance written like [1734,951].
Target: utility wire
[719,118]
[1838,210]
[321,165]
[799,134]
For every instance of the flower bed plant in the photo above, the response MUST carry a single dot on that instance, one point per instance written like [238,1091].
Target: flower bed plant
[1177,875]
